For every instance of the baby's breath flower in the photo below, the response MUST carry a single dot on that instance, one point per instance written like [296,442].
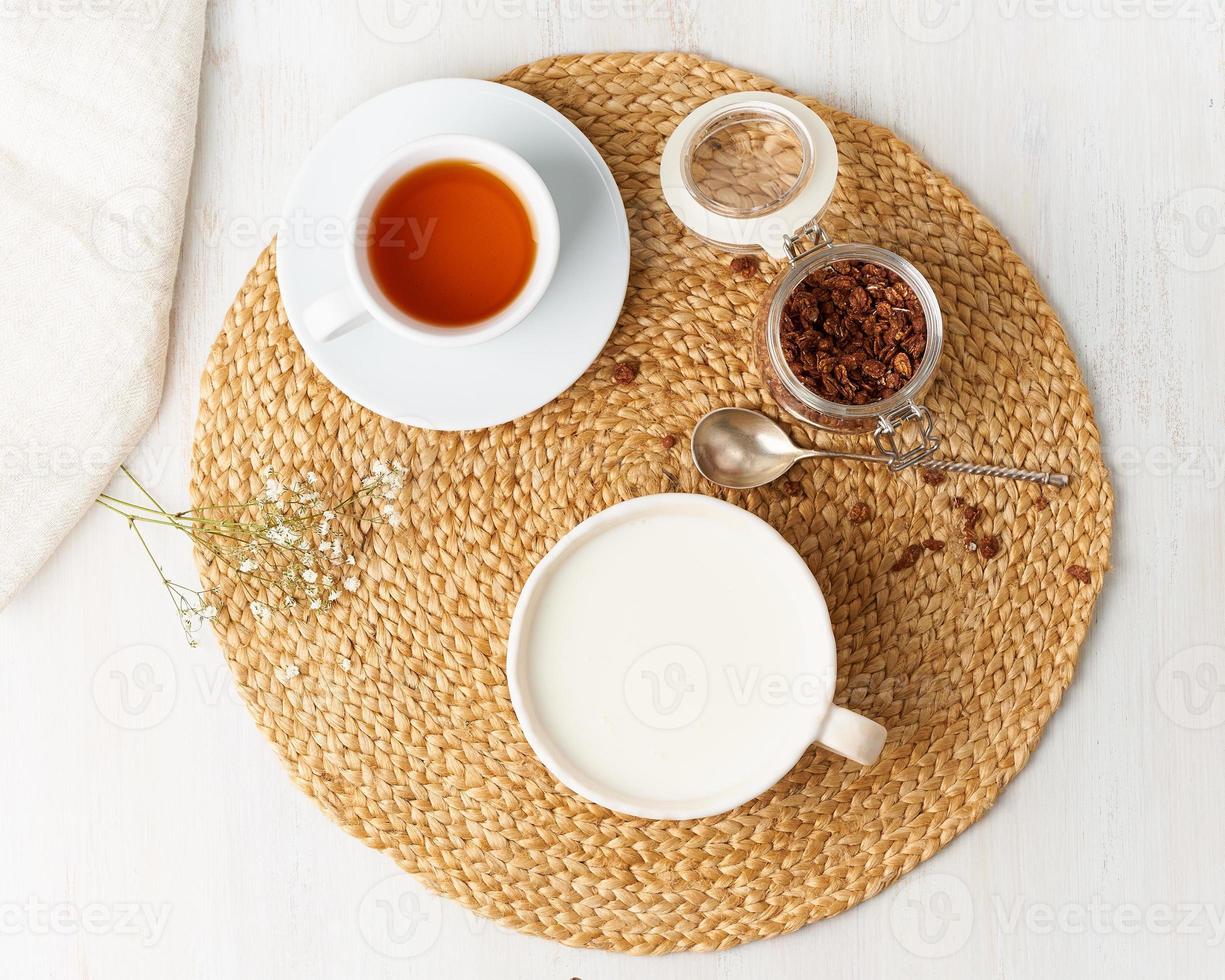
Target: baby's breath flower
[286,673]
[281,535]
[390,515]
[345,663]
[290,542]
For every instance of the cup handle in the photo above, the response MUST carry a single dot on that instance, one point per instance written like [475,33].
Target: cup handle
[333,314]
[851,735]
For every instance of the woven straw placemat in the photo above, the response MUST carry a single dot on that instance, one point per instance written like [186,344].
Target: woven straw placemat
[415,749]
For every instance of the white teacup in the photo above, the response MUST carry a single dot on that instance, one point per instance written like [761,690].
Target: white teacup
[672,658]
[360,299]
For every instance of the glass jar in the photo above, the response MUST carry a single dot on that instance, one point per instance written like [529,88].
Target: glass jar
[754,171]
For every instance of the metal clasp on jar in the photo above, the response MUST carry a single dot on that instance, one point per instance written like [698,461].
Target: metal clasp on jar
[891,426]
[811,236]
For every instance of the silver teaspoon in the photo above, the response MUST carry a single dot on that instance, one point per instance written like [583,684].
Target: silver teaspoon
[739,448]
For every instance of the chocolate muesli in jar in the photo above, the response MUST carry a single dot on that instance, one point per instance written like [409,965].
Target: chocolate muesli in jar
[848,338]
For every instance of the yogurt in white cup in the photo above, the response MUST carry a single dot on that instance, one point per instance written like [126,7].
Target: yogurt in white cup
[672,658]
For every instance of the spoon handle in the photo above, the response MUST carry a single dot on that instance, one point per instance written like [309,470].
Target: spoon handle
[999,472]
[950,466]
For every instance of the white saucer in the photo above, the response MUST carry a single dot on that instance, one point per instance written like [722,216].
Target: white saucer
[491,383]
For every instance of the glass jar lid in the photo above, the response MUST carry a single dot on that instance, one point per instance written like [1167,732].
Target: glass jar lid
[750,170]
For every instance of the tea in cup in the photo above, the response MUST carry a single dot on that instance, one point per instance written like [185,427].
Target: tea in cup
[455,241]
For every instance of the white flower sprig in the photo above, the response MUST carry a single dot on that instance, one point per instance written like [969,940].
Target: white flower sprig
[287,544]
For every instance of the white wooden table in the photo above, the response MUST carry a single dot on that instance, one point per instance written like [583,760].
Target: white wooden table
[148,831]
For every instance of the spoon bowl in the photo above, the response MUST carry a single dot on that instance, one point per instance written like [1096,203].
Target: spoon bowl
[740,449]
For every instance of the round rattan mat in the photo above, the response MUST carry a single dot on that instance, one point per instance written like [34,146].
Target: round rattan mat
[415,749]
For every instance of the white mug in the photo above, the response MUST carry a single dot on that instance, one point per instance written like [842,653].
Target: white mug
[360,300]
[624,736]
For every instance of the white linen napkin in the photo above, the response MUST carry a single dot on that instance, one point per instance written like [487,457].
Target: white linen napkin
[97,127]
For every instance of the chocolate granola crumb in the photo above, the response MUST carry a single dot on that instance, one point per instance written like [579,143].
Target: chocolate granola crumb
[625,372]
[668,441]
[988,546]
[959,502]
[1080,573]
[860,514]
[1041,502]
[970,516]
[745,266]
[933,544]
[933,478]
[907,559]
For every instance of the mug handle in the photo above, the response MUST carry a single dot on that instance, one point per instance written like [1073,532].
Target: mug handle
[851,735]
[333,314]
